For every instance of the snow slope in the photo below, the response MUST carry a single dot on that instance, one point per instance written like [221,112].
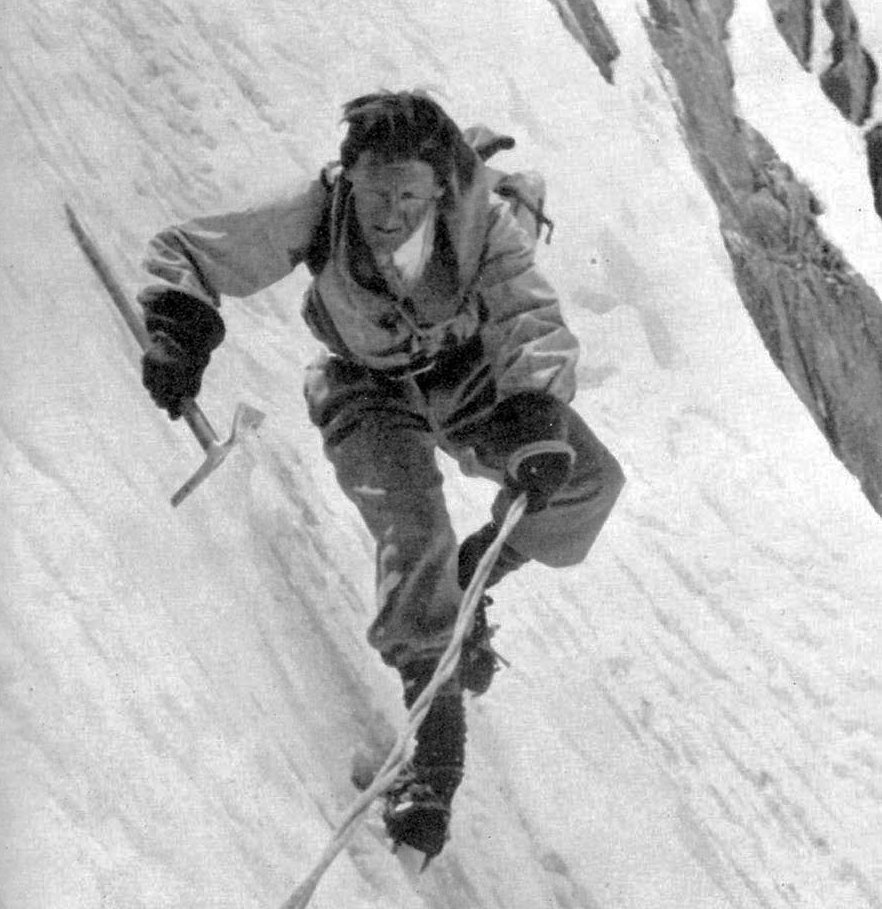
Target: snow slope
[692,718]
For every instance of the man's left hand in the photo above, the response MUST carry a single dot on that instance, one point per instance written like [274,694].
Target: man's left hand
[539,470]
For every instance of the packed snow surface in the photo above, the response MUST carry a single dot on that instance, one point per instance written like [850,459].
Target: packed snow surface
[692,717]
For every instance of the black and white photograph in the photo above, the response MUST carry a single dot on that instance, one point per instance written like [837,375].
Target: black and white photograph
[441,454]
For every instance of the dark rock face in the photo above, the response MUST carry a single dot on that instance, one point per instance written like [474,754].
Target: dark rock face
[850,80]
[820,321]
[795,22]
[586,25]
[873,139]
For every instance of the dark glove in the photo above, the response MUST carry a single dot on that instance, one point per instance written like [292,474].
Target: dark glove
[540,470]
[183,332]
[171,375]
[526,437]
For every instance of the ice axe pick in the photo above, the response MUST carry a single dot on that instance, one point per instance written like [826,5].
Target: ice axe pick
[245,418]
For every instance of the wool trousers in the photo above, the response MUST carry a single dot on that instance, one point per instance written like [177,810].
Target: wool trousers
[381,433]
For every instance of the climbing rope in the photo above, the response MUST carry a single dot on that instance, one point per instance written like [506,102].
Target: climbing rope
[397,757]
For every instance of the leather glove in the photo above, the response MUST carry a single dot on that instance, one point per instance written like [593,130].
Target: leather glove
[183,332]
[525,436]
[171,375]
[540,470]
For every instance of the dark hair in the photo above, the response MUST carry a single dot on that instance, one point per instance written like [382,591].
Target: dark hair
[398,126]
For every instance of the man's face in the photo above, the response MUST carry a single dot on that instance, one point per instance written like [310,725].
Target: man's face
[391,199]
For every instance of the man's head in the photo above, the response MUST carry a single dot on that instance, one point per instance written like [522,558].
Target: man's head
[401,126]
[399,153]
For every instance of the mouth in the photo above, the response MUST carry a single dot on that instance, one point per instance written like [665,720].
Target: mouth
[388,238]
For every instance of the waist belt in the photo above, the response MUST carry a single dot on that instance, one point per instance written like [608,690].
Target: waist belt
[445,368]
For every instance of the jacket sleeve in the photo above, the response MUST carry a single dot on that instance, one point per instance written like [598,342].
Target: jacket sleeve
[525,334]
[233,254]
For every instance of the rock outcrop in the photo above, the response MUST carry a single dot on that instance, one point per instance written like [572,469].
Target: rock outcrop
[820,321]
[874,164]
[851,78]
[795,20]
[584,22]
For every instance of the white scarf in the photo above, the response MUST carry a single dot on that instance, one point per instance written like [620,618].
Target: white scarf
[411,258]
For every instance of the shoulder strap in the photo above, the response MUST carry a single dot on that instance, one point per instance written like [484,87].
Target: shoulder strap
[524,189]
[485,141]
[319,250]
[527,190]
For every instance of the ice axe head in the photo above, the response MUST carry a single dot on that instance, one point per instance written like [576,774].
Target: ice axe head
[246,418]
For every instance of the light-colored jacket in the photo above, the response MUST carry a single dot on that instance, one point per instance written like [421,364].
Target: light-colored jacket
[480,279]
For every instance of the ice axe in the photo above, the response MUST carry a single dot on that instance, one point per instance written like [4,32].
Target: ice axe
[245,418]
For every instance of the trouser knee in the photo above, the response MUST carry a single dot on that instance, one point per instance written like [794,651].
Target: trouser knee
[563,533]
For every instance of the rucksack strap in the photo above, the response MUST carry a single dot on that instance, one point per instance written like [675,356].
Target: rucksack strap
[520,189]
[486,142]
[319,250]
[508,189]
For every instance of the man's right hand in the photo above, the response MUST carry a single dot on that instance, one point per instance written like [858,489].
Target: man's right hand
[183,333]
[171,374]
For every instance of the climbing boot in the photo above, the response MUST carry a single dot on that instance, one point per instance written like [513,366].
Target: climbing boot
[480,661]
[418,805]
[473,548]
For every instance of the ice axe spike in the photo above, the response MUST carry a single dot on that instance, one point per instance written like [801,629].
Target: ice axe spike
[244,419]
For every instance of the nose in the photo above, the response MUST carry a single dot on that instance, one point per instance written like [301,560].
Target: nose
[390,201]
[390,209]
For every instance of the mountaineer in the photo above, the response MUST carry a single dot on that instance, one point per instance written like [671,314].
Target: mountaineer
[439,332]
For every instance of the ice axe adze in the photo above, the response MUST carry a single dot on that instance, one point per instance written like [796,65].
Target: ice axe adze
[245,417]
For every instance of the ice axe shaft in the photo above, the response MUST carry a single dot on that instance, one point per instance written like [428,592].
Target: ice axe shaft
[245,417]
